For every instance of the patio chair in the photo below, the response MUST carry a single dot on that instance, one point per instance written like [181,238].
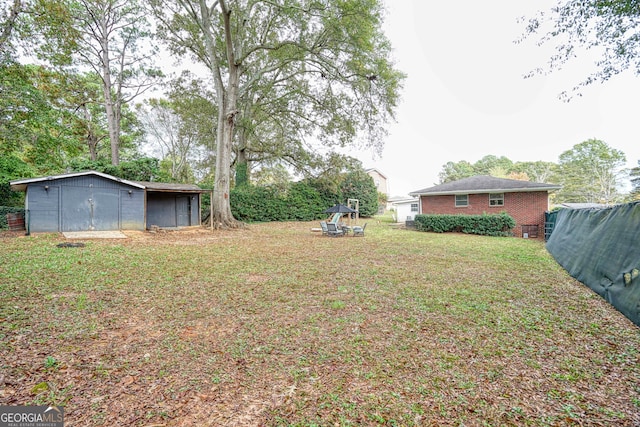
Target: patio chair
[359,231]
[333,230]
[323,225]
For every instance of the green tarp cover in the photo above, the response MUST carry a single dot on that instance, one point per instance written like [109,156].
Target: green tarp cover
[601,248]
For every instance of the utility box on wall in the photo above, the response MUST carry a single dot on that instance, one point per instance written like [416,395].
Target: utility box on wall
[530,231]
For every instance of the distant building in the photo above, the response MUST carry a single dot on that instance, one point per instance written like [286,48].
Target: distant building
[379,179]
[405,207]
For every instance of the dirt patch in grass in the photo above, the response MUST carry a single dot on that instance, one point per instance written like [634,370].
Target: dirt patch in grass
[275,325]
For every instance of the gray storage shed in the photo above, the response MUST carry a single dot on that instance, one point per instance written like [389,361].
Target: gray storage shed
[85,201]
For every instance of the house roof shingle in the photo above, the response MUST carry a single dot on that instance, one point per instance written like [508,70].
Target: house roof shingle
[484,184]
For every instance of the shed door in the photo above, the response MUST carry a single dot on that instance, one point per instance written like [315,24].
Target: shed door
[86,209]
[183,210]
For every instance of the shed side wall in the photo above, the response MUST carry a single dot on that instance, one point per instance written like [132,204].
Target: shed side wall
[81,203]
[42,208]
[161,210]
[132,209]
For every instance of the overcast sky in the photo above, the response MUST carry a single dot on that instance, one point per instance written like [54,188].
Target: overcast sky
[465,96]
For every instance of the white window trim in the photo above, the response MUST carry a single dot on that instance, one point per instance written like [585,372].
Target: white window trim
[460,205]
[493,197]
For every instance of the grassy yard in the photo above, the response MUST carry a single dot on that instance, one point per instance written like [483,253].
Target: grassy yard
[274,325]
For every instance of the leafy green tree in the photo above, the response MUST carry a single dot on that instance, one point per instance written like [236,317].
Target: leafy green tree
[610,28]
[170,138]
[635,182]
[28,27]
[537,171]
[488,165]
[9,14]
[383,198]
[277,176]
[11,168]
[140,169]
[359,185]
[453,171]
[35,123]
[81,97]
[591,172]
[331,53]
[105,37]
[195,105]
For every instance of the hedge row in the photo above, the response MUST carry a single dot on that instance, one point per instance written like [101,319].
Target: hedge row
[298,202]
[486,225]
[4,210]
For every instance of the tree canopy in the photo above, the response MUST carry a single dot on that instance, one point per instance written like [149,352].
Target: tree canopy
[288,82]
[286,75]
[109,39]
[502,167]
[590,171]
[610,29]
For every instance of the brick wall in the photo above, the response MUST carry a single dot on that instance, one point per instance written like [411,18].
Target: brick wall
[525,208]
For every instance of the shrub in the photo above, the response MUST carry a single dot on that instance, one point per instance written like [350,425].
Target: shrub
[301,201]
[297,202]
[11,168]
[486,225]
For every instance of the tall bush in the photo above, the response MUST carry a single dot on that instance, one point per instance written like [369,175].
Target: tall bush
[304,200]
[297,202]
[359,185]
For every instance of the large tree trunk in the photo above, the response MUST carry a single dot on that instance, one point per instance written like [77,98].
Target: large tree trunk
[109,104]
[221,206]
[92,143]
[92,138]
[221,215]
[242,163]
[111,119]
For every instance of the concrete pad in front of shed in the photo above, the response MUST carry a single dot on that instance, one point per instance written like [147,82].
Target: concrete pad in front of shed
[94,235]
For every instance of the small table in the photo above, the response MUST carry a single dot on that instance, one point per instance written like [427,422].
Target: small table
[346,229]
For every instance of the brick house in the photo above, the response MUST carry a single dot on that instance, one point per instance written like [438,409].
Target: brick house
[525,201]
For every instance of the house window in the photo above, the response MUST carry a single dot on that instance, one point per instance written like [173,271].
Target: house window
[496,199]
[462,200]
[414,207]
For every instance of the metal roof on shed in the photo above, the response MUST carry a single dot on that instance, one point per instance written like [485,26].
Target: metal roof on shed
[21,184]
[171,187]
